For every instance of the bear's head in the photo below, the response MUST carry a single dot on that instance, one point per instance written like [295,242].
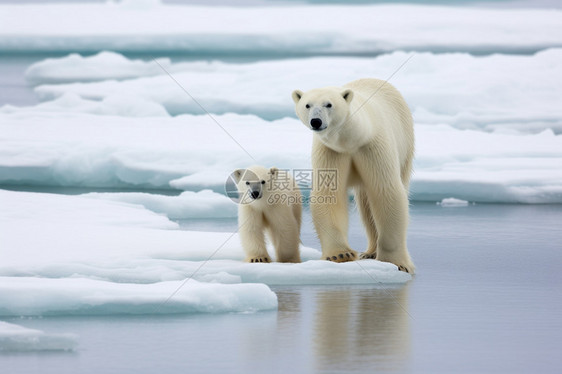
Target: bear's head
[254,183]
[323,108]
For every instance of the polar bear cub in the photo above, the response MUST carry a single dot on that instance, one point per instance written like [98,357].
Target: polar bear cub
[270,202]
[363,132]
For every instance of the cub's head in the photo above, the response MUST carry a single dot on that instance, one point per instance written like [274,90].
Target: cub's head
[253,183]
[322,108]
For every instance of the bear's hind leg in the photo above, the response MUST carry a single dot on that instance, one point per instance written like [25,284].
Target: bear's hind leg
[362,202]
[390,209]
[286,240]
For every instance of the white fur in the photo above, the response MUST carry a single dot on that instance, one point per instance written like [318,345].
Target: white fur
[367,136]
[276,211]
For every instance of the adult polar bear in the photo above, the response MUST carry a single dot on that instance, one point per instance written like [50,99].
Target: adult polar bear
[364,131]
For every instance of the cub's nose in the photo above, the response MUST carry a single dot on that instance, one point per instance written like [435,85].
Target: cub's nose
[315,123]
[255,194]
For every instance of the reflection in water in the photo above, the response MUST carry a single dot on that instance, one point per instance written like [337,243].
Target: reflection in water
[277,337]
[366,329]
[330,329]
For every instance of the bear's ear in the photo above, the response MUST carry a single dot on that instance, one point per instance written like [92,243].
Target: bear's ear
[347,95]
[237,174]
[297,94]
[273,171]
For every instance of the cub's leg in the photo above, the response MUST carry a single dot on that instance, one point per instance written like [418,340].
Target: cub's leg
[285,238]
[251,230]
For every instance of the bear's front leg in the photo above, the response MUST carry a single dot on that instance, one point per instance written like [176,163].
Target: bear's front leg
[328,202]
[251,229]
[330,216]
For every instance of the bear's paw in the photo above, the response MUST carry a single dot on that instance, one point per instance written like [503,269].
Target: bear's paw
[258,259]
[344,256]
[404,269]
[373,256]
[368,256]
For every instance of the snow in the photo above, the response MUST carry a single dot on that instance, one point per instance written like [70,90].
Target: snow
[504,92]
[452,202]
[116,105]
[84,255]
[24,296]
[189,204]
[14,338]
[193,153]
[150,27]
[112,151]
[102,66]
[487,167]
[487,125]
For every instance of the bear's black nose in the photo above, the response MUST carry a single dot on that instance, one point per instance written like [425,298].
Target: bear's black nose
[315,123]
[255,194]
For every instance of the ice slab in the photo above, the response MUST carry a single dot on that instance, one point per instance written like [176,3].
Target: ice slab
[194,153]
[16,338]
[504,92]
[58,241]
[452,202]
[22,296]
[113,105]
[45,148]
[102,66]
[189,204]
[230,30]
[487,167]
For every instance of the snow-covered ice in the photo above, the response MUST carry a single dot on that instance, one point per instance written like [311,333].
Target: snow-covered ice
[341,29]
[102,66]
[116,105]
[26,296]
[503,92]
[452,202]
[84,254]
[16,338]
[110,151]
[486,125]
[487,167]
[189,204]
[194,153]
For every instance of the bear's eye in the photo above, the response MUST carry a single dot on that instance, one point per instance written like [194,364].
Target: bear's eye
[247,183]
[328,105]
[307,106]
[262,182]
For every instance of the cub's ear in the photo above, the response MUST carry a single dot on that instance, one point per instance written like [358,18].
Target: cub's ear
[297,94]
[273,171]
[347,95]
[237,174]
